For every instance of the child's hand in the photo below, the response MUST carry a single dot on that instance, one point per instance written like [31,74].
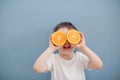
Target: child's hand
[82,42]
[52,46]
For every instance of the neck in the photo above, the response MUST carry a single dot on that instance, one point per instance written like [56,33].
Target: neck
[66,56]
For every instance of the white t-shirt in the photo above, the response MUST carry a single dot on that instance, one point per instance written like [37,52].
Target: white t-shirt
[62,69]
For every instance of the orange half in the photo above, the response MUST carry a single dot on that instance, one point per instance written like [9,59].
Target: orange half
[73,36]
[58,38]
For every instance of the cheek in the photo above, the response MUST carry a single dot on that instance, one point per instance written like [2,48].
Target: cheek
[73,46]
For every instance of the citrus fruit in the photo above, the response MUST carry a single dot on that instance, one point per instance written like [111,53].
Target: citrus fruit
[73,36]
[58,38]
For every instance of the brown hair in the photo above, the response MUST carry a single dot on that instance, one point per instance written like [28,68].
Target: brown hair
[68,25]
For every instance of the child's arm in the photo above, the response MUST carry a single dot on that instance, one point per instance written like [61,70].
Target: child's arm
[41,63]
[94,61]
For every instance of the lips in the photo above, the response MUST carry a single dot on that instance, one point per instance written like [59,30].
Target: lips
[66,47]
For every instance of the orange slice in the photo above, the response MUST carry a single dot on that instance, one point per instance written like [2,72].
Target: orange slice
[73,36]
[58,38]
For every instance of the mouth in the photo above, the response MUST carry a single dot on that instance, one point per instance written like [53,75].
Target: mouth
[66,47]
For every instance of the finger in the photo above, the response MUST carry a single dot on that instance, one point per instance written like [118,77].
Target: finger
[50,38]
[82,36]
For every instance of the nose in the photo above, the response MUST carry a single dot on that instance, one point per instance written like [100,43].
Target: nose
[67,43]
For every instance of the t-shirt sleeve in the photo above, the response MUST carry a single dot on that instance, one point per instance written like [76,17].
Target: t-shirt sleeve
[84,60]
[50,62]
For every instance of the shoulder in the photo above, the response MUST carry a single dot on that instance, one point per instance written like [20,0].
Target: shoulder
[53,57]
[80,55]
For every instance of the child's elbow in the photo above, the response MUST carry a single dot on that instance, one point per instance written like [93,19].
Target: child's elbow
[100,65]
[36,69]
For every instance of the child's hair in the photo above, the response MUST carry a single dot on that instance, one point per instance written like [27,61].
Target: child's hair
[68,25]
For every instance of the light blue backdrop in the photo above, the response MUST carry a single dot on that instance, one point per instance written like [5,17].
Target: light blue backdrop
[25,26]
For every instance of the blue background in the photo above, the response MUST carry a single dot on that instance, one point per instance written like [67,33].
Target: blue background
[25,26]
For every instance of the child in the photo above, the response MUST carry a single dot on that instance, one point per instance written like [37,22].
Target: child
[67,65]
